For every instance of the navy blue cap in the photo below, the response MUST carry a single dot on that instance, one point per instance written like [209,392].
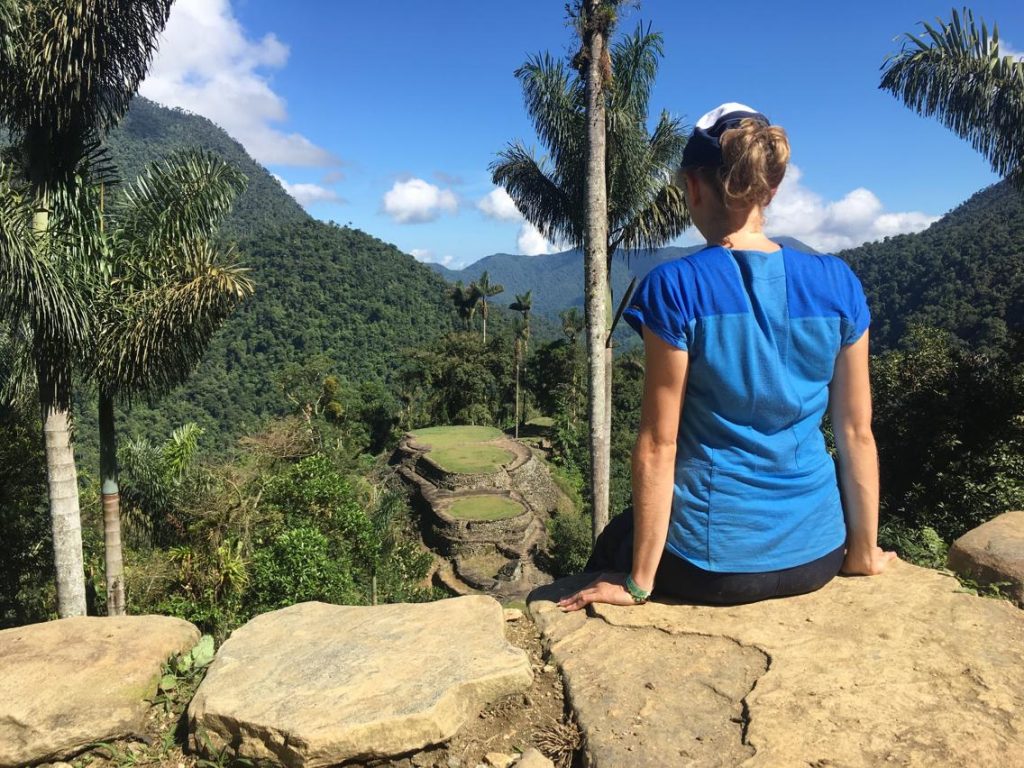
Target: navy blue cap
[704,147]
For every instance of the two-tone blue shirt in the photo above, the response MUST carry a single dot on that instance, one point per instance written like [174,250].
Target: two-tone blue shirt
[755,488]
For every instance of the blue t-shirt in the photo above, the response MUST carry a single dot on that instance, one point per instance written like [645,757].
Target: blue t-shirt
[755,488]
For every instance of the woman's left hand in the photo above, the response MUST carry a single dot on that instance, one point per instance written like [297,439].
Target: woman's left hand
[607,588]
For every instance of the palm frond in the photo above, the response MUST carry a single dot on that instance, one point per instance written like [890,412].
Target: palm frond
[10,18]
[185,196]
[665,217]
[635,66]
[76,66]
[181,450]
[36,286]
[955,73]
[155,336]
[538,197]
[17,374]
[639,165]
[555,103]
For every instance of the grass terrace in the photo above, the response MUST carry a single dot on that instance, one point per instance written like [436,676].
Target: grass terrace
[485,507]
[465,450]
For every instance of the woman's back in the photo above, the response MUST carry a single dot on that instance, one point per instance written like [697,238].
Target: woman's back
[755,487]
[734,495]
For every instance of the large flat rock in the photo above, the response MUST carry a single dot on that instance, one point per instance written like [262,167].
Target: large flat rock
[993,553]
[69,683]
[899,669]
[318,684]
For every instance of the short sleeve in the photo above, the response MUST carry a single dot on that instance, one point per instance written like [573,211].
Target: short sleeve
[857,316]
[659,303]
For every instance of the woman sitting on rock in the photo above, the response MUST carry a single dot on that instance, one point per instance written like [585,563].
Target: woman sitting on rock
[735,497]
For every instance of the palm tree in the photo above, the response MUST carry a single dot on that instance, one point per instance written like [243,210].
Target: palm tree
[486,289]
[518,352]
[640,208]
[465,299]
[955,72]
[170,288]
[69,73]
[572,323]
[524,305]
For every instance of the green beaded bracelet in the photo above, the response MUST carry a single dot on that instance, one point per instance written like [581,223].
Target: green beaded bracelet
[638,595]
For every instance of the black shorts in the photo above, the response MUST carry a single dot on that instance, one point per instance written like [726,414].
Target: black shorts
[677,578]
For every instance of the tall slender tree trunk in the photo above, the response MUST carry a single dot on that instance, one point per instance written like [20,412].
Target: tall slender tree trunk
[54,378]
[113,559]
[62,484]
[484,316]
[596,260]
[517,398]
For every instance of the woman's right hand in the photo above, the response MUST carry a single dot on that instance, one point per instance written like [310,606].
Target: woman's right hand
[866,563]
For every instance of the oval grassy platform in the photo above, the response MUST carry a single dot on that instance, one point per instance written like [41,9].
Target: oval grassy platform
[465,449]
[485,507]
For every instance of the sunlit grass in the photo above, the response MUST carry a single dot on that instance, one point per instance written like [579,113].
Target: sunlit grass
[464,450]
[485,507]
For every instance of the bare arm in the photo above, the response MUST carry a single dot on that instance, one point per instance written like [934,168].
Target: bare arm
[654,455]
[850,409]
[653,474]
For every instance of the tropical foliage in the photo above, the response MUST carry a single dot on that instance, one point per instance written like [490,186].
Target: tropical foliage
[957,73]
[644,209]
[67,74]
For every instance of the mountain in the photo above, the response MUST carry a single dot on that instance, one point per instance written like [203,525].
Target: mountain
[557,279]
[965,273]
[320,288]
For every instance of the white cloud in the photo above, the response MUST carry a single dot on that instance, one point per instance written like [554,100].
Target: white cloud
[532,243]
[207,65]
[1005,49]
[426,255]
[307,194]
[857,218]
[415,201]
[497,204]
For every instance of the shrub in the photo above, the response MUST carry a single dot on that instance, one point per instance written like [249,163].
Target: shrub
[569,545]
[296,567]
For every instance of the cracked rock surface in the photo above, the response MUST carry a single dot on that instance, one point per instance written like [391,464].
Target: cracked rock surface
[317,684]
[899,669]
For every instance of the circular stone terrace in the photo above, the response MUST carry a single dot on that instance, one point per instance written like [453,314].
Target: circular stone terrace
[467,451]
[465,475]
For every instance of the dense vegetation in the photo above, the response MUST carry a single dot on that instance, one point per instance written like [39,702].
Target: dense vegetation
[320,288]
[349,342]
[965,274]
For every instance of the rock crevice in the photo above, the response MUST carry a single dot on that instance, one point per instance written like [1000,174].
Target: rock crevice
[900,669]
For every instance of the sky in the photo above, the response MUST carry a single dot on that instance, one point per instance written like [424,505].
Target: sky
[385,115]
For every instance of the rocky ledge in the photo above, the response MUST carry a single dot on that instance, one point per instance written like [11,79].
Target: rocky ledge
[901,669]
[67,684]
[318,684]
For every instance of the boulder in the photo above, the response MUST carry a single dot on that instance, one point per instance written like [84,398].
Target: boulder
[318,684]
[898,669]
[993,553]
[70,683]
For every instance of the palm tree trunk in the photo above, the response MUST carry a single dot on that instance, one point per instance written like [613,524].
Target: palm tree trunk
[62,484]
[113,559]
[517,399]
[54,378]
[596,258]
[484,314]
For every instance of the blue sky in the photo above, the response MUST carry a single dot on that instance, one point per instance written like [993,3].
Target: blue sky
[386,115]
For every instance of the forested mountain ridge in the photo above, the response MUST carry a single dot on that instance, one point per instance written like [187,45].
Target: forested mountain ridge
[557,279]
[965,273]
[320,289]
